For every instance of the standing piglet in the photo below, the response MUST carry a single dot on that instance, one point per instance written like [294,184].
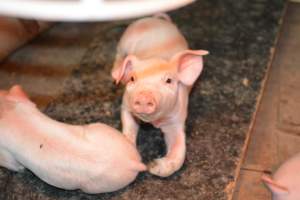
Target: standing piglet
[154,62]
[285,184]
[94,158]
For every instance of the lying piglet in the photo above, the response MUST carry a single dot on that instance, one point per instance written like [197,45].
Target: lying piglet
[94,158]
[285,184]
[154,62]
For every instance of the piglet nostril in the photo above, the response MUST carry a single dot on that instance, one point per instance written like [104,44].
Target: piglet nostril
[150,104]
[144,102]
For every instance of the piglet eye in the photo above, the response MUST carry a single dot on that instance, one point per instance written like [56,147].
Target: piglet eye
[132,79]
[169,80]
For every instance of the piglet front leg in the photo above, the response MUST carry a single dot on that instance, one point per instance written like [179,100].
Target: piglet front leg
[130,126]
[175,140]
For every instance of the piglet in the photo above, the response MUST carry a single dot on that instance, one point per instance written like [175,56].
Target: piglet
[154,62]
[285,184]
[94,158]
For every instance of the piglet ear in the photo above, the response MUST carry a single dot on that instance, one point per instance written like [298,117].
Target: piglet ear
[275,188]
[120,73]
[17,92]
[190,65]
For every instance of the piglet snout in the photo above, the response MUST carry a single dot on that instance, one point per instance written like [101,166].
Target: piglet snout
[144,102]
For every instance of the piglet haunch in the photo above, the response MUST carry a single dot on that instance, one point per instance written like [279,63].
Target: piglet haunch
[94,158]
[154,62]
[285,184]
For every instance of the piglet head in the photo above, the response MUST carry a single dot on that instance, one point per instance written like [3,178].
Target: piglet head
[152,84]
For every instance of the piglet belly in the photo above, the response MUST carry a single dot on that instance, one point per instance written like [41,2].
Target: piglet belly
[92,169]
[104,165]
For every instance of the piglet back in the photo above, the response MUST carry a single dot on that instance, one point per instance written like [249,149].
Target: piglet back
[95,158]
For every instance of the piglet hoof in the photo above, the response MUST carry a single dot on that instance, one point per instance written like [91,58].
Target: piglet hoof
[163,167]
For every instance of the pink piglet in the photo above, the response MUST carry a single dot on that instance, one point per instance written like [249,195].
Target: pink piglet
[158,68]
[94,158]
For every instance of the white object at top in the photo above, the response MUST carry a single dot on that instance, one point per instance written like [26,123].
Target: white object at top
[86,10]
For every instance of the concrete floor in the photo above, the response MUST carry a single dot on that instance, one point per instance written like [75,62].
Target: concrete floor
[275,135]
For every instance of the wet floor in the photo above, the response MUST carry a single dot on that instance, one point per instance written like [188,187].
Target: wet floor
[66,71]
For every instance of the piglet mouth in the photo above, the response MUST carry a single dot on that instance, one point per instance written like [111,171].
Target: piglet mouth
[144,117]
[144,110]
[149,118]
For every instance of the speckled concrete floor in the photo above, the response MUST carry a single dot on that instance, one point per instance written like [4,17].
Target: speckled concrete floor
[66,71]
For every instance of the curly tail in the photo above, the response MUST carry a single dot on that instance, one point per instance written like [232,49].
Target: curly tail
[163,16]
[138,166]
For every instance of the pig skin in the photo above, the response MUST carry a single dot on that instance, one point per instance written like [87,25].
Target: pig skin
[95,158]
[285,184]
[154,62]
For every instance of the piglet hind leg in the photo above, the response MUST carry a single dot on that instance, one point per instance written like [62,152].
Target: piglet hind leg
[174,159]
[7,161]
